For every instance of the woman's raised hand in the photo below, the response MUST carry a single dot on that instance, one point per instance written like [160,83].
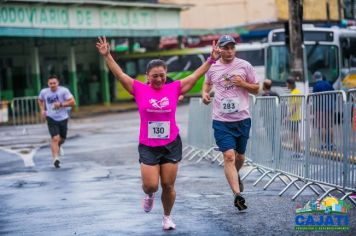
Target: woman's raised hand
[215,51]
[103,46]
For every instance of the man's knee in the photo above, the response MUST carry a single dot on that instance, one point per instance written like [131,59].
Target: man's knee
[56,139]
[229,157]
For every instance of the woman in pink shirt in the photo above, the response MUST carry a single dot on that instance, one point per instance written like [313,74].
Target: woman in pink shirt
[160,146]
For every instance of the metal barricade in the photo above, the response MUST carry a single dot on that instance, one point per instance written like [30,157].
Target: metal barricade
[311,139]
[200,134]
[248,154]
[292,133]
[350,122]
[25,110]
[325,132]
[4,112]
[264,137]
[264,131]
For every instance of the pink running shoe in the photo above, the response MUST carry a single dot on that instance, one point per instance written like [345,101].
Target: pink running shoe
[148,202]
[167,223]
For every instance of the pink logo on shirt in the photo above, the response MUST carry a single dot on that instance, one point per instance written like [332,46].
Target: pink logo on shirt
[159,104]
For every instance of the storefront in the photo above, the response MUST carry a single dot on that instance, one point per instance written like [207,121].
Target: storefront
[41,38]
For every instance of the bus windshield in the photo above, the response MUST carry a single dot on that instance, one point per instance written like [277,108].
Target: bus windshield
[323,58]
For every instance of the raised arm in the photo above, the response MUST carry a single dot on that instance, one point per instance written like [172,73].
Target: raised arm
[188,82]
[104,50]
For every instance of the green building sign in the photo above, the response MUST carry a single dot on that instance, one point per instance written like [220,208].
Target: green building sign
[73,17]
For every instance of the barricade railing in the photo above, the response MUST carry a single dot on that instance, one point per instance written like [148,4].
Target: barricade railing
[292,132]
[263,131]
[270,120]
[350,122]
[25,110]
[200,134]
[263,148]
[4,112]
[323,142]
[248,154]
[311,139]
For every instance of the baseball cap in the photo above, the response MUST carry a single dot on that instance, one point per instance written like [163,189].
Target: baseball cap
[225,39]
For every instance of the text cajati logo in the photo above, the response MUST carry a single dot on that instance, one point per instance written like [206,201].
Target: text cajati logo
[328,214]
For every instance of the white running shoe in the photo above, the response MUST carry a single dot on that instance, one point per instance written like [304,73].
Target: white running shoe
[167,223]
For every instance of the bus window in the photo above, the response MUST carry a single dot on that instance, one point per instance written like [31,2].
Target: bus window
[323,58]
[254,57]
[183,63]
[174,63]
[192,62]
[348,51]
[278,63]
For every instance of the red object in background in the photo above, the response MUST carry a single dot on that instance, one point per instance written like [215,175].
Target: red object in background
[192,41]
[168,43]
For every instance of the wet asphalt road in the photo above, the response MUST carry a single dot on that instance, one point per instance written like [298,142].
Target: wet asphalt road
[98,190]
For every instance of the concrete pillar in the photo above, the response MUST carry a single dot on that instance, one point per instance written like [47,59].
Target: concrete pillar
[73,79]
[35,70]
[104,78]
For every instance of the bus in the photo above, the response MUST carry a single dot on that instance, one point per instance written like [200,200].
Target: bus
[182,62]
[332,51]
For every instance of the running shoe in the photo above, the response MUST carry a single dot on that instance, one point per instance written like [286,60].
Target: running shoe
[167,223]
[61,151]
[56,163]
[241,185]
[239,202]
[148,202]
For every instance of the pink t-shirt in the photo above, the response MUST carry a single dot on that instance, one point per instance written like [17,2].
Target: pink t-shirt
[157,110]
[231,103]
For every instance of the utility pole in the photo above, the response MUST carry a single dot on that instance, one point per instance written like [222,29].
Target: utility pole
[340,9]
[296,39]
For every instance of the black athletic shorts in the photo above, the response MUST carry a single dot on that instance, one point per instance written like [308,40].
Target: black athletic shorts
[170,153]
[57,127]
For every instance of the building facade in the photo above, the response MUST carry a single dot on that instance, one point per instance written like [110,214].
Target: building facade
[232,13]
[45,37]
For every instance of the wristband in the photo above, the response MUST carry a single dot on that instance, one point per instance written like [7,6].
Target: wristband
[211,61]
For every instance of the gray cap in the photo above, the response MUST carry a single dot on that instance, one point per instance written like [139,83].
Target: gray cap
[317,75]
[225,39]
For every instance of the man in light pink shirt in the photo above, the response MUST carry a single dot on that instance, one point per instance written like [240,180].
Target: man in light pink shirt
[233,79]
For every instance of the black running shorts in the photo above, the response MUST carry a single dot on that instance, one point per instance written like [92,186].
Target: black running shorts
[57,127]
[170,153]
